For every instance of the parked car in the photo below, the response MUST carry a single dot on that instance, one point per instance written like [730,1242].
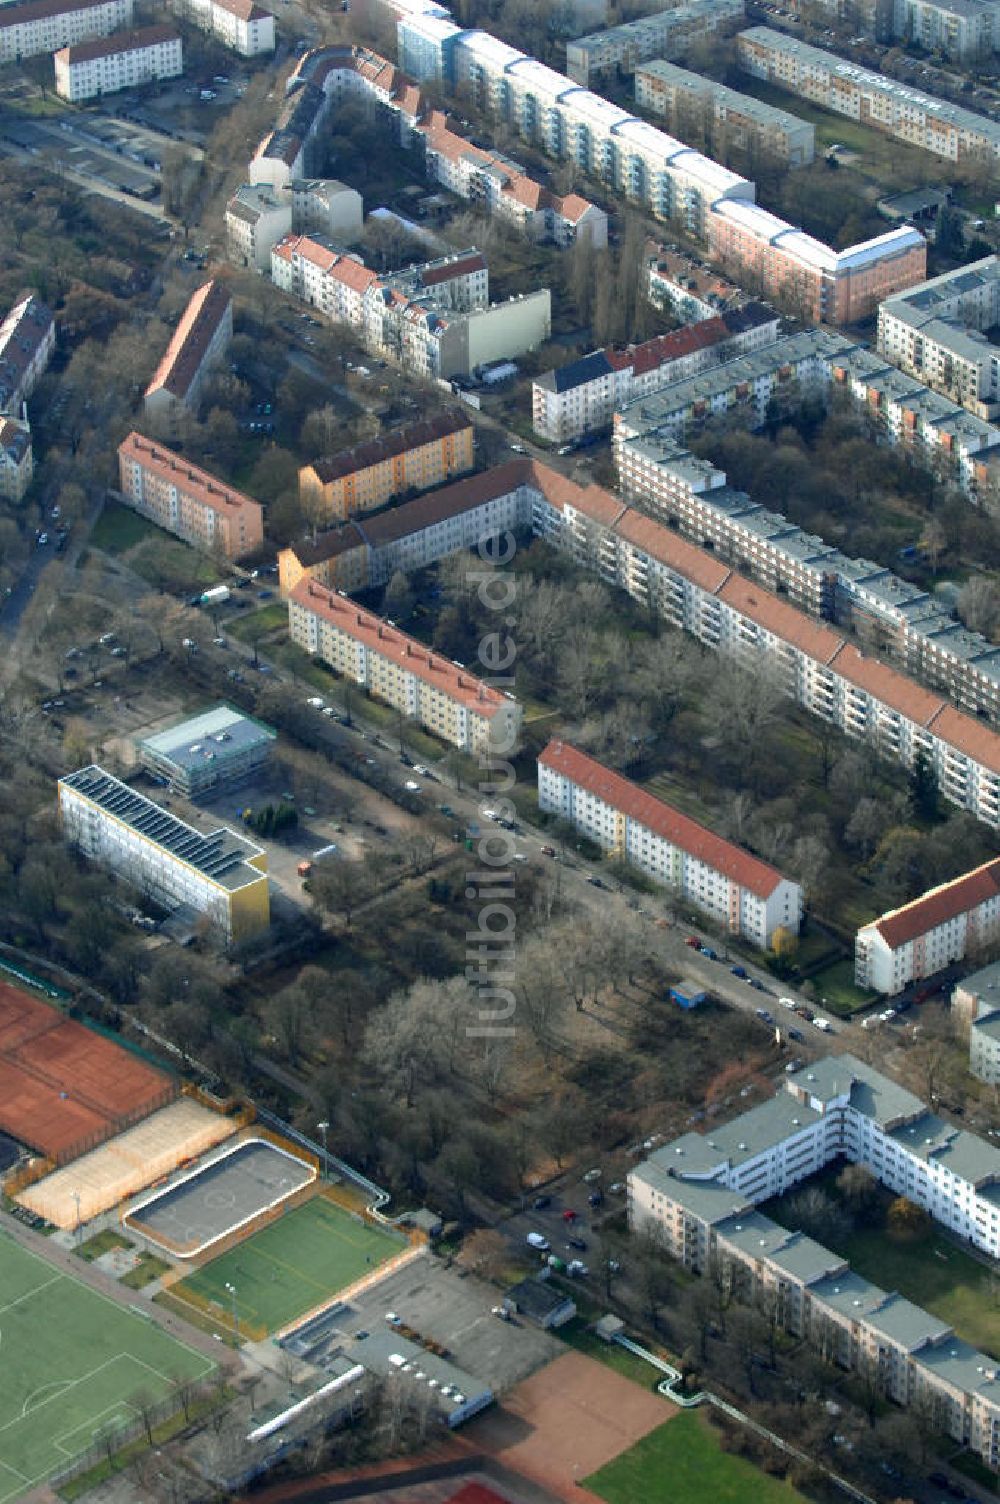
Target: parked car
[569,1215]
[595,1198]
[536,1240]
[579,1243]
[541,1202]
[693,941]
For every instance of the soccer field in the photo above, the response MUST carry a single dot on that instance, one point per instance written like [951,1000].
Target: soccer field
[72,1363]
[293,1264]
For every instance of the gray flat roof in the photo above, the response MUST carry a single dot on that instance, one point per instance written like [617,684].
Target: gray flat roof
[219,733]
[964,1154]
[737,1141]
[709,1200]
[875,1095]
[421,1368]
[983,984]
[221,855]
[958,1363]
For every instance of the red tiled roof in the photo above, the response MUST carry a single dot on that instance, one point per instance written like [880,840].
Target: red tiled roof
[190,479]
[118,41]
[938,905]
[192,337]
[669,548]
[476,1493]
[243,10]
[894,689]
[662,819]
[786,622]
[378,636]
[683,341]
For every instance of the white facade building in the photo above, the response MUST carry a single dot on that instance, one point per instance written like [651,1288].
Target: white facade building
[27,340]
[326,206]
[31,27]
[424,686]
[744,122]
[257,217]
[666,33]
[749,897]
[125,60]
[923,937]
[243,25]
[936,331]
[701,1192]
[221,876]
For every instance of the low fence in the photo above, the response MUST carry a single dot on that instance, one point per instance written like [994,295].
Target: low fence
[112,1439]
[218,1314]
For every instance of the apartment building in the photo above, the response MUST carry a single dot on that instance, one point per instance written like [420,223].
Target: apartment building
[582,397]
[416,458]
[638,162]
[923,937]
[747,896]
[904,410]
[27,339]
[434,319]
[975,1004]
[501,187]
[326,206]
[124,60]
[218,748]
[186,500]
[943,129]
[199,343]
[257,217]
[936,331]
[887,615]
[686,288]
[964,31]
[292,150]
[701,1192]
[739,120]
[16,458]
[242,25]
[690,588]
[363,555]
[219,875]
[811,280]
[620,49]
[439,695]
[31,27]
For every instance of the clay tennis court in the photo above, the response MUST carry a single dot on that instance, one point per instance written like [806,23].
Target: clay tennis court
[566,1421]
[63,1088]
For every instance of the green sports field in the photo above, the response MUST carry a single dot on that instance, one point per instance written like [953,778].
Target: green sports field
[681,1462]
[72,1363]
[293,1264]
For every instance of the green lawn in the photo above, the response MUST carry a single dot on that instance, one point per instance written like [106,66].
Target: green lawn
[681,1462]
[578,1335]
[171,565]
[120,528]
[102,1242]
[927,1269]
[293,1264]
[257,624]
[836,990]
[73,1362]
[146,1270]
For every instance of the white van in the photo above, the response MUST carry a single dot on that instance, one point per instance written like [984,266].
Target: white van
[535,1240]
[788,1002]
[824,1025]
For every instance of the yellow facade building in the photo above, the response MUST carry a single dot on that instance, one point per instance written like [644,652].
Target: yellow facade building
[411,459]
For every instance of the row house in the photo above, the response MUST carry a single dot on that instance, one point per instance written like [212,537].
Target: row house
[425,687]
[31,27]
[292,150]
[198,345]
[257,217]
[744,122]
[666,33]
[124,60]
[965,31]
[701,1192]
[691,588]
[935,126]
[940,927]
[218,874]
[749,897]
[415,458]
[186,500]
[27,340]
[581,397]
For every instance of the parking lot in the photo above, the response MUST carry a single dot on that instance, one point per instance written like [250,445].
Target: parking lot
[454,1309]
[63,147]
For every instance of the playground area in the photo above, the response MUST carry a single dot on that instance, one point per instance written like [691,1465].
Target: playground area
[126,1165]
[64,1088]
[75,1365]
[217,1200]
[289,1267]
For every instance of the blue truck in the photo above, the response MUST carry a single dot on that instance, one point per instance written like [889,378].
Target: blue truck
[688,995]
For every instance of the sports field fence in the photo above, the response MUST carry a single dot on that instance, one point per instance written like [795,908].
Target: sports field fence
[111,1440]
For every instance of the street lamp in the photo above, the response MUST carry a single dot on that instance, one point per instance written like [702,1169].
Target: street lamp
[324,1129]
[79,1221]
[236,1319]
